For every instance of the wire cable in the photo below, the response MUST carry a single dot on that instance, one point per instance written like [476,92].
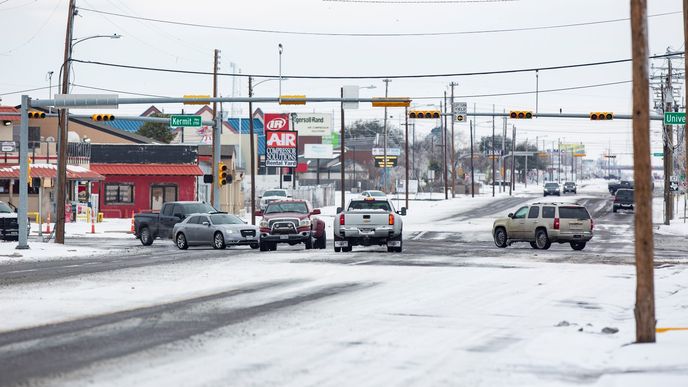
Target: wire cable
[441,75]
[364,34]
[24,91]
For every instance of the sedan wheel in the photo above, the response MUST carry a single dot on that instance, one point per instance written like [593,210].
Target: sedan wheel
[219,241]
[181,242]
[533,245]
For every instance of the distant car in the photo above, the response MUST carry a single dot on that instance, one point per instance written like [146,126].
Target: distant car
[622,184]
[151,225]
[374,194]
[218,230]
[623,199]
[368,222]
[570,186]
[551,189]
[540,224]
[272,195]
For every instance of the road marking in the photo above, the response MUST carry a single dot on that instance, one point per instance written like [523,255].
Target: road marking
[420,234]
[360,262]
[20,271]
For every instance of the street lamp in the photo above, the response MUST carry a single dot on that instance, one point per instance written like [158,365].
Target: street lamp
[280,48]
[76,41]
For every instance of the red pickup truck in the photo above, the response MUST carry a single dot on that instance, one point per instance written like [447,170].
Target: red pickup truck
[292,222]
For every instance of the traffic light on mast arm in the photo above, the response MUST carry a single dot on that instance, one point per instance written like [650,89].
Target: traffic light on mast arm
[520,114]
[424,114]
[35,114]
[103,117]
[595,116]
[221,174]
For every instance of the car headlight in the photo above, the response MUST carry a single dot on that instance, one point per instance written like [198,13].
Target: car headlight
[229,231]
[304,222]
[264,223]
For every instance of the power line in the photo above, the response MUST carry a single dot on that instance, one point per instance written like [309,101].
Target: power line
[24,91]
[418,1]
[441,75]
[364,34]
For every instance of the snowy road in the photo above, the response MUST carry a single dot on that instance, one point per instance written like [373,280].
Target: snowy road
[451,310]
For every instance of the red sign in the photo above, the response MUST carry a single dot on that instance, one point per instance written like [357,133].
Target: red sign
[281,139]
[301,167]
[276,122]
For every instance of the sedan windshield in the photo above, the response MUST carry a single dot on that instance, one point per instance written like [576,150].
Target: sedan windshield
[275,193]
[551,185]
[369,205]
[298,207]
[4,208]
[225,219]
[378,194]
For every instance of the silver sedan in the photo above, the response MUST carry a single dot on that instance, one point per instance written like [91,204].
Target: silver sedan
[218,230]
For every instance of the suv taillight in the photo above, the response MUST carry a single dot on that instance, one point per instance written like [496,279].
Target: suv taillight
[556,223]
[391,218]
[592,224]
[341,219]
[616,199]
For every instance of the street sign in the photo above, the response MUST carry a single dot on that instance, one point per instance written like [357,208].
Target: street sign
[459,110]
[390,151]
[658,154]
[384,102]
[380,161]
[674,118]
[8,146]
[350,92]
[204,96]
[185,120]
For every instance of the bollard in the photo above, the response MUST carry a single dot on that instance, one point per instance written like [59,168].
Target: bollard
[133,230]
[47,230]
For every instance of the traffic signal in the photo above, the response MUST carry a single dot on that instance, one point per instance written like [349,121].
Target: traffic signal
[601,116]
[520,114]
[103,117]
[35,114]
[424,114]
[29,172]
[221,174]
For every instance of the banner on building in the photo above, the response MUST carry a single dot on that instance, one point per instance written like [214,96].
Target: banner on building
[276,122]
[281,149]
[313,124]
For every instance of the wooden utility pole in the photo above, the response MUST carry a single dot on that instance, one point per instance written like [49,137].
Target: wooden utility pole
[253,152]
[215,191]
[685,78]
[644,246]
[406,155]
[444,145]
[453,151]
[512,183]
[493,152]
[342,159]
[63,122]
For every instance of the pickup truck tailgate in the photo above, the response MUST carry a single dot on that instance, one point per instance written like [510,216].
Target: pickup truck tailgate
[366,218]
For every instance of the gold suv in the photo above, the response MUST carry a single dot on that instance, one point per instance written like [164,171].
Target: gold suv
[544,223]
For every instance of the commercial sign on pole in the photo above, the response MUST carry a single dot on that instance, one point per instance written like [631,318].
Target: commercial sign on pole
[276,122]
[281,149]
[390,151]
[459,110]
[318,151]
[313,124]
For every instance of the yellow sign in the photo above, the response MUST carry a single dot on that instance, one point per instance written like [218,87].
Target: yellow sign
[385,102]
[292,100]
[196,102]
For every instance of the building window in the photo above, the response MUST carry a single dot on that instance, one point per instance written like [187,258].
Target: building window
[34,136]
[119,193]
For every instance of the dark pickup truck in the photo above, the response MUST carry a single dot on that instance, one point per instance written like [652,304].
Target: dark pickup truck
[623,199]
[627,184]
[151,225]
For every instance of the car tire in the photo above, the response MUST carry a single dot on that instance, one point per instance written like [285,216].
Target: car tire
[614,209]
[321,243]
[347,249]
[264,246]
[219,241]
[400,248]
[146,236]
[500,237]
[180,241]
[542,240]
[309,243]
[578,245]
[273,246]
[337,249]
[255,246]
[534,245]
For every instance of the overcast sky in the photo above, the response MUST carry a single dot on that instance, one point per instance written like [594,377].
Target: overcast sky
[34,33]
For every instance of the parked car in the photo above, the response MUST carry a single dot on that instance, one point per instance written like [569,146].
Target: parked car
[621,184]
[570,186]
[9,224]
[218,230]
[369,222]
[272,195]
[541,224]
[623,199]
[292,222]
[151,225]
[374,194]
[551,189]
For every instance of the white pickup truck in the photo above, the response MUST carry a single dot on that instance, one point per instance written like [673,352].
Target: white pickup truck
[368,222]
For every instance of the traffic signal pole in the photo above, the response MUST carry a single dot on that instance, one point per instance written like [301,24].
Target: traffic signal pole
[22,217]
[253,152]
[215,198]
[645,322]
[685,133]
[342,158]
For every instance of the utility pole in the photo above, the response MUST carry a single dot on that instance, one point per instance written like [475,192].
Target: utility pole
[406,155]
[63,122]
[384,168]
[502,159]
[492,151]
[559,166]
[512,186]
[525,175]
[342,157]
[668,94]
[685,127]
[253,151]
[444,146]
[453,152]
[472,174]
[645,322]
[537,160]
[215,193]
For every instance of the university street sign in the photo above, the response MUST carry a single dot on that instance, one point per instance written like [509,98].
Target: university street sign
[185,120]
[674,118]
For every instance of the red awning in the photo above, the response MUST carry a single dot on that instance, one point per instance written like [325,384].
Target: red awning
[148,169]
[49,171]
[9,109]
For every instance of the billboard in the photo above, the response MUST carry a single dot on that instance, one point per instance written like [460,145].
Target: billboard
[281,149]
[313,124]
[275,122]
[318,151]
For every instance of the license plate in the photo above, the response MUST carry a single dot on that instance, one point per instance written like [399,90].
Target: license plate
[394,243]
[284,236]
[576,237]
[341,243]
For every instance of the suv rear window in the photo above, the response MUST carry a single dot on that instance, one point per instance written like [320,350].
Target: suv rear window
[624,194]
[573,213]
[548,212]
[369,205]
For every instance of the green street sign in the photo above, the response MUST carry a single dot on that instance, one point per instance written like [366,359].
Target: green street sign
[674,118]
[660,154]
[185,120]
